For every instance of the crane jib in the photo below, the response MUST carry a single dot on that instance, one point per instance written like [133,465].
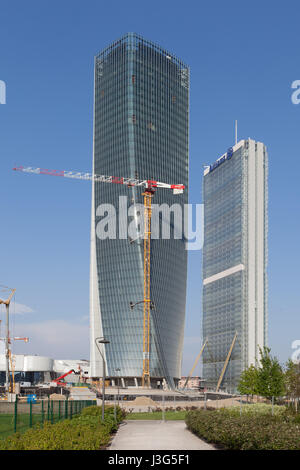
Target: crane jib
[149,184]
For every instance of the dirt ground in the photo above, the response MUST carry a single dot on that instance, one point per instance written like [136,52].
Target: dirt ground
[142,404]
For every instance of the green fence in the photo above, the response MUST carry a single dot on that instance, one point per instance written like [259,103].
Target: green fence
[18,416]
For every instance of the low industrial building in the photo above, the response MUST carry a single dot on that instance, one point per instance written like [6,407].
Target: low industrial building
[39,369]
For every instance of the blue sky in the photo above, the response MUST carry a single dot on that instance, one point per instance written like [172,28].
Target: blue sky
[243,56]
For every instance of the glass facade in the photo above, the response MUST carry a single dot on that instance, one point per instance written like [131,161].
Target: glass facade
[234,262]
[140,130]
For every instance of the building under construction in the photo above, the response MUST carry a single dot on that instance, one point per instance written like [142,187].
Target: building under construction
[141,114]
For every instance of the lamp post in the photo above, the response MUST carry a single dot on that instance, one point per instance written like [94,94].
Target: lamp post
[102,341]
[118,370]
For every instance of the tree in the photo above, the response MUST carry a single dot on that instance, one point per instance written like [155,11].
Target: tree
[270,376]
[248,381]
[292,379]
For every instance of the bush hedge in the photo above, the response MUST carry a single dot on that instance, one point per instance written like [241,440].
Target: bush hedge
[84,432]
[246,432]
[257,409]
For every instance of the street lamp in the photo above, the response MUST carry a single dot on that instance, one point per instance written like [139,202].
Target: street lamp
[102,340]
[118,370]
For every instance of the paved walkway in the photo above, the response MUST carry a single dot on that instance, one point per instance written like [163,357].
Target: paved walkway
[156,435]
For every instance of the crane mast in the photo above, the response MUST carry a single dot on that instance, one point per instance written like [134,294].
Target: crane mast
[150,187]
[7,339]
[148,194]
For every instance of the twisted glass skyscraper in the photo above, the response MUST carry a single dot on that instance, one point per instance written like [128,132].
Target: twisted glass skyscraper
[235,194]
[141,111]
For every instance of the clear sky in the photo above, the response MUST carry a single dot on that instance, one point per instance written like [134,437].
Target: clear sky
[243,56]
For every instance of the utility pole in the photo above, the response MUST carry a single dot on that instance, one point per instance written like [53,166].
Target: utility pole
[102,340]
[118,370]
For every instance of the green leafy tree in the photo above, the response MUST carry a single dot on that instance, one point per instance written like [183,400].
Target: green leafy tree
[248,381]
[292,379]
[270,376]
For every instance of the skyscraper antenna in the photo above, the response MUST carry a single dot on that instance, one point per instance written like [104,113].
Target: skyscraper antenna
[236,132]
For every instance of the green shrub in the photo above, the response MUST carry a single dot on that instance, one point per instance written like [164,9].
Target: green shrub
[257,409]
[109,412]
[84,432]
[246,432]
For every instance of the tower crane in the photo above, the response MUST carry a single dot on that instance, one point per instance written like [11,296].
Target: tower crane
[150,187]
[6,302]
[12,362]
[7,340]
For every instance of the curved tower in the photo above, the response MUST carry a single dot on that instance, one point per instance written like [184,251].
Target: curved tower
[141,113]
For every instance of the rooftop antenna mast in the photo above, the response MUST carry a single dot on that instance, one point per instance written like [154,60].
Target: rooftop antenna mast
[236,130]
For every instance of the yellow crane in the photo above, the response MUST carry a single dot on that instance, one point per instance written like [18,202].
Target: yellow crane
[148,194]
[195,363]
[6,302]
[12,368]
[150,187]
[226,362]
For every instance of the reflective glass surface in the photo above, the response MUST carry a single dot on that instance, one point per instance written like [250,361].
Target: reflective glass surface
[225,300]
[141,130]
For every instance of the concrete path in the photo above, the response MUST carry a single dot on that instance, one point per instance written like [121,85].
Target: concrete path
[156,435]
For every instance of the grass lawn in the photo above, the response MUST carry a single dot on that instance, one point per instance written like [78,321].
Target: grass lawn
[169,415]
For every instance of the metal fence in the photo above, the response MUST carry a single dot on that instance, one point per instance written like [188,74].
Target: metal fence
[20,416]
[157,398]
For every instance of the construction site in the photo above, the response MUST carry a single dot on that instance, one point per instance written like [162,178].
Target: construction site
[22,374]
[138,280]
[37,377]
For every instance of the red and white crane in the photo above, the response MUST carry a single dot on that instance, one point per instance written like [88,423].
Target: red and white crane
[150,187]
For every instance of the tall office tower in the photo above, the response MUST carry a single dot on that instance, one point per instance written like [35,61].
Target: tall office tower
[141,114]
[235,196]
